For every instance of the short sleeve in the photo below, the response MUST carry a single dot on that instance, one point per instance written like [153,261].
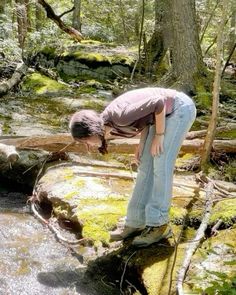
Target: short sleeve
[137,110]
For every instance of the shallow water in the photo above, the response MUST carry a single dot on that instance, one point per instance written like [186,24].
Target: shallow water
[32,261]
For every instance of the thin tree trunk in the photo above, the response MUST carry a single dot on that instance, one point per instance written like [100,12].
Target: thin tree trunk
[232,35]
[22,22]
[122,14]
[228,59]
[77,15]
[208,21]
[216,89]
[140,41]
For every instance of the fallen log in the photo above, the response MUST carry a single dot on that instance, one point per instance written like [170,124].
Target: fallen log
[65,142]
[202,133]
[14,80]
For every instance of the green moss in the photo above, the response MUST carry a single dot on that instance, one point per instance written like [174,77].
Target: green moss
[182,160]
[91,42]
[50,52]
[80,183]
[100,216]
[70,195]
[63,210]
[41,84]
[87,89]
[121,59]
[230,134]
[230,172]
[68,173]
[224,210]
[94,105]
[203,85]
[177,214]
[87,57]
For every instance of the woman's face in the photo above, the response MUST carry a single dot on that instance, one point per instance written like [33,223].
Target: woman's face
[91,141]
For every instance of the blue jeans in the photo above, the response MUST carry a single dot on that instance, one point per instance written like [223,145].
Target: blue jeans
[151,198]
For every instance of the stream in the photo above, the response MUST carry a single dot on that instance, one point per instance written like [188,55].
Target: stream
[32,261]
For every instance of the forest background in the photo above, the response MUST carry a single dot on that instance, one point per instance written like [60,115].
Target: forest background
[56,54]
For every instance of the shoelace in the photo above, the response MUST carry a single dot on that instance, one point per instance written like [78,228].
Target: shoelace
[147,230]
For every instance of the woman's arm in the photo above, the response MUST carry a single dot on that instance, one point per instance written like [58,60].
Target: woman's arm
[158,139]
[139,150]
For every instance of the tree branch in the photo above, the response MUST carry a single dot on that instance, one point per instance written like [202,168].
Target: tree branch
[196,241]
[51,14]
[66,12]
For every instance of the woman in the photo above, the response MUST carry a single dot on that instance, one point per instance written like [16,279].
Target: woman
[163,116]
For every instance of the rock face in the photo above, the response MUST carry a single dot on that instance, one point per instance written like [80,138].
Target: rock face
[88,62]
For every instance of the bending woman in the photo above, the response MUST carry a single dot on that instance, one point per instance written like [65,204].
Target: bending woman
[163,116]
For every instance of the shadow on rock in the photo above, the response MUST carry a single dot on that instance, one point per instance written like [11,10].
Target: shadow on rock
[125,267]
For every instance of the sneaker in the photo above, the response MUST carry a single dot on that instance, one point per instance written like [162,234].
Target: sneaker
[152,235]
[125,232]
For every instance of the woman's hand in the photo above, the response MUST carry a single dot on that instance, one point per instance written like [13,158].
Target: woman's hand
[157,146]
[138,153]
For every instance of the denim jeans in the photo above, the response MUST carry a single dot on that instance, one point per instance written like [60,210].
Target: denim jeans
[151,198]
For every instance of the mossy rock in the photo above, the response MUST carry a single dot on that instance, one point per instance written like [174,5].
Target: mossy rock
[41,84]
[97,203]
[88,58]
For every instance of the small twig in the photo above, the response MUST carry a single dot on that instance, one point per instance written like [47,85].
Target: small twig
[131,285]
[123,274]
[215,228]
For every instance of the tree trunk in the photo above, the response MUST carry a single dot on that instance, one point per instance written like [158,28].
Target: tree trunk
[22,22]
[76,23]
[2,7]
[216,89]
[122,16]
[156,47]
[29,7]
[186,52]
[39,16]
[232,36]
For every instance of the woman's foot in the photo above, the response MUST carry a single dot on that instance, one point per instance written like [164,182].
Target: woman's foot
[152,235]
[125,232]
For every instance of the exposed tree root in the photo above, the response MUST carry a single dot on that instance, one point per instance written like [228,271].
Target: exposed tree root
[52,228]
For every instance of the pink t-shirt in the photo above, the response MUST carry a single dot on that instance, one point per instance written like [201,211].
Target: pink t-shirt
[132,111]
